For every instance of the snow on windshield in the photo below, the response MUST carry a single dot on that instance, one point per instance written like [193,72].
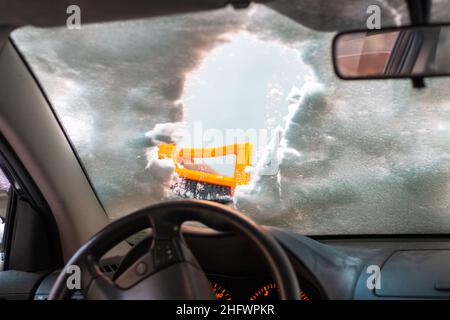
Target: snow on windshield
[350,157]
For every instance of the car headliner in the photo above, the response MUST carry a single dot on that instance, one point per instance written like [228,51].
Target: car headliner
[323,15]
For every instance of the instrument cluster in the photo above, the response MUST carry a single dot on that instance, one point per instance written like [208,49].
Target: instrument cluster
[251,288]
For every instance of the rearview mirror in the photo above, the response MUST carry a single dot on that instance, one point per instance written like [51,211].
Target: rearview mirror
[404,52]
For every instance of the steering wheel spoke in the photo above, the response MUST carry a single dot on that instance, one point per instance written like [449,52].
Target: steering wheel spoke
[168,245]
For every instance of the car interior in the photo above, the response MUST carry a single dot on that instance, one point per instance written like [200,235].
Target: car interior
[369,225]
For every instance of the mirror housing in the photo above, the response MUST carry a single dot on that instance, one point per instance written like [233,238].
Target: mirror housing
[404,52]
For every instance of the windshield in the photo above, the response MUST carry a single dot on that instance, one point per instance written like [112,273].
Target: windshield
[325,156]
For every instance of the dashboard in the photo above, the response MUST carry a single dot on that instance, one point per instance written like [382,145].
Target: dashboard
[234,268]
[326,267]
[236,271]
[225,288]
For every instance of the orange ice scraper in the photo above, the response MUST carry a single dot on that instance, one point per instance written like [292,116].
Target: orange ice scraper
[200,181]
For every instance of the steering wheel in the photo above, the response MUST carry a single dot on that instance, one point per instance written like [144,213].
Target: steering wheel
[169,270]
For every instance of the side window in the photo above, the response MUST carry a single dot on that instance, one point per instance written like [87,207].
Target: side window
[4,188]
[4,194]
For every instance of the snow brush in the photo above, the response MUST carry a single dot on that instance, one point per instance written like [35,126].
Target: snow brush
[201,181]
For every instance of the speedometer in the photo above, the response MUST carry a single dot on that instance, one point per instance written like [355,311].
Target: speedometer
[269,292]
[220,292]
[266,292]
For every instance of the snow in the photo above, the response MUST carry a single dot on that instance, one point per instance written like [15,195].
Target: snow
[358,157]
[354,157]
[169,132]
[269,163]
[4,182]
